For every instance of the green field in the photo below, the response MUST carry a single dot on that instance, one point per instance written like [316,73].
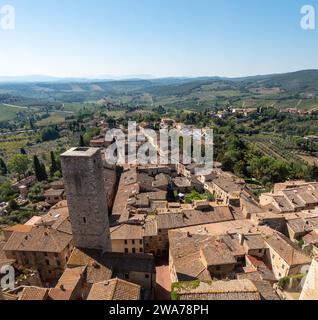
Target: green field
[8,112]
[53,119]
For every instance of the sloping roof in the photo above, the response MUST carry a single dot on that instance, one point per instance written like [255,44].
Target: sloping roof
[18,228]
[221,290]
[115,289]
[118,262]
[54,193]
[71,277]
[228,185]
[188,218]
[217,253]
[254,241]
[58,294]
[34,293]
[297,225]
[311,238]
[188,258]
[266,290]
[4,261]
[127,232]
[39,239]
[287,250]
[283,204]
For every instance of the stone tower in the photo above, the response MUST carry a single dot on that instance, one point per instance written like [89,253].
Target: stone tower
[85,191]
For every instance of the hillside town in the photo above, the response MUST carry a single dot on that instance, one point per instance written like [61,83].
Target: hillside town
[161,232]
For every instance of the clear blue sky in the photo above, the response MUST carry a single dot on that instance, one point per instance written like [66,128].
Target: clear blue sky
[157,37]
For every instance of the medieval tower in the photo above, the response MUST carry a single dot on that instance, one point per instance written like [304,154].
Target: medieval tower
[84,186]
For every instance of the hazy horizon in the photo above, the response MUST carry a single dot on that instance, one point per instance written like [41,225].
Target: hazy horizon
[45,77]
[175,38]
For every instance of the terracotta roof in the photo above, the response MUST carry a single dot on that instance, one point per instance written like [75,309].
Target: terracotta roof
[114,289]
[193,217]
[71,277]
[117,262]
[39,239]
[288,251]
[228,185]
[127,232]
[217,253]
[54,193]
[311,238]
[34,293]
[19,228]
[182,182]
[60,294]
[254,241]
[4,261]
[221,290]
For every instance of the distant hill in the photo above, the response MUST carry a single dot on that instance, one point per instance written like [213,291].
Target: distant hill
[202,91]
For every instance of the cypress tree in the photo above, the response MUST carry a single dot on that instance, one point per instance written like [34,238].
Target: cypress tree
[54,165]
[44,174]
[3,167]
[39,169]
[82,143]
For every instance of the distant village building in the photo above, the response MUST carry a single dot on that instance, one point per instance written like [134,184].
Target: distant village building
[53,196]
[291,197]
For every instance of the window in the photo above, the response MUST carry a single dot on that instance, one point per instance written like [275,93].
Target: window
[273,256]
[147,276]
[126,242]
[133,241]
[84,220]
[126,250]
[140,250]
[47,262]
[140,241]
[58,262]
[283,267]
[55,255]
[126,276]
[133,250]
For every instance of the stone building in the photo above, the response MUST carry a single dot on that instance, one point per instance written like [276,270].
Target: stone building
[285,258]
[44,249]
[88,209]
[310,288]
